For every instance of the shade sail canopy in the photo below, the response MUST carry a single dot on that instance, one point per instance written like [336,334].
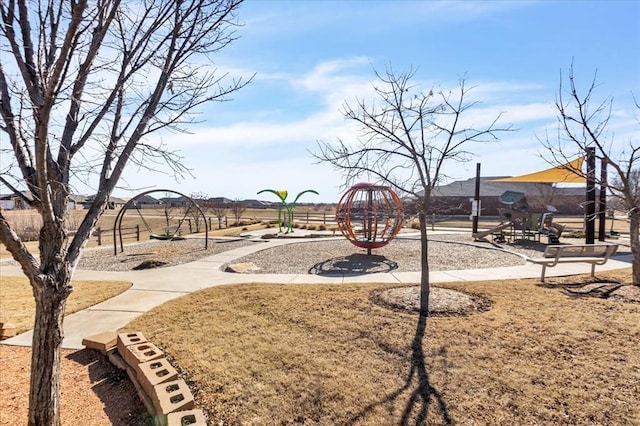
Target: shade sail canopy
[570,172]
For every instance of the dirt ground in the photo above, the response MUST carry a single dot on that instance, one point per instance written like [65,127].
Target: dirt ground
[94,392]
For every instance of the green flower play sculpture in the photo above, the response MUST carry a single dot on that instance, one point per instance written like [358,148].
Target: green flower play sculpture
[288,207]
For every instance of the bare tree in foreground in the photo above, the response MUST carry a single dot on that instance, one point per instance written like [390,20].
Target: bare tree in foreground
[407,136]
[582,124]
[83,86]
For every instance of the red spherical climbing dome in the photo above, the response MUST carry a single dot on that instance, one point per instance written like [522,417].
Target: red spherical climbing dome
[369,215]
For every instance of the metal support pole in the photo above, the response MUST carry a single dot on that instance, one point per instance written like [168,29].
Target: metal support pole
[591,197]
[476,197]
[602,208]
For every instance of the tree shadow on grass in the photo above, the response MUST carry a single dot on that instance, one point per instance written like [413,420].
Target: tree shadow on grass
[114,389]
[423,393]
[354,264]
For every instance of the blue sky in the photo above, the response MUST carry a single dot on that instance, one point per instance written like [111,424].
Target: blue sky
[311,56]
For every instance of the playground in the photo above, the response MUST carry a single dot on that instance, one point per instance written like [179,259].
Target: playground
[331,353]
[319,329]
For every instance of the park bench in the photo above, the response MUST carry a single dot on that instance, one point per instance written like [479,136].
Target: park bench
[595,254]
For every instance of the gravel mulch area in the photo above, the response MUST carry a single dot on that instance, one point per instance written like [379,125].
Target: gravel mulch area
[446,252]
[320,256]
[169,253]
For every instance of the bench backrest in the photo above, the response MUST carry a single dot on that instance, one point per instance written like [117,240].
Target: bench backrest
[581,250]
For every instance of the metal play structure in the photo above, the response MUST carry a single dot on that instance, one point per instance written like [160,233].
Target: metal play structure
[168,233]
[288,207]
[369,215]
[518,220]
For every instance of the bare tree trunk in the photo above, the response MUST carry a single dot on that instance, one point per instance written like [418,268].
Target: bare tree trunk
[51,287]
[44,402]
[424,266]
[634,238]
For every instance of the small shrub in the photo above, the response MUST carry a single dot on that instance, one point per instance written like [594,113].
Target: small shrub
[322,227]
[415,225]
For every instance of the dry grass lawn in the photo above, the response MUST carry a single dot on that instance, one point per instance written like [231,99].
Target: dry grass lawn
[325,354]
[18,308]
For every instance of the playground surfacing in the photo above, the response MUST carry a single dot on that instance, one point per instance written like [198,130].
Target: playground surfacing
[318,256]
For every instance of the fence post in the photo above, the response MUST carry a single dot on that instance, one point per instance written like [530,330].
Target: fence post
[226,224]
[137,232]
[190,229]
[99,231]
[324,218]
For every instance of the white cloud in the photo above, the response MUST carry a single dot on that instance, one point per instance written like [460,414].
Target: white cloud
[269,151]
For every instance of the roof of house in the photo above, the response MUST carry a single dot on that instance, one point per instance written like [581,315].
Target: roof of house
[219,200]
[13,195]
[147,199]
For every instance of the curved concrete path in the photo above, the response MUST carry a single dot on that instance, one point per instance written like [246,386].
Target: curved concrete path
[153,287]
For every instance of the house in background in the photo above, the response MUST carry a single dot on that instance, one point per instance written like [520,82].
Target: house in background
[175,201]
[8,201]
[14,201]
[146,201]
[258,204]
[455,198]
[217,201]
[114,202]
[76,201]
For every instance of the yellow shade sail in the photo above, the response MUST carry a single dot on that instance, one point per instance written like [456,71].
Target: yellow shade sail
[570,172]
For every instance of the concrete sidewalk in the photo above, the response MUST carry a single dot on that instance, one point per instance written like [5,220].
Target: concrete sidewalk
[153,287]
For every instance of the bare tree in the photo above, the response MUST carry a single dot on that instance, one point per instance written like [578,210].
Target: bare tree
[542,196]
[406,137]
[83,86]
[169,211]
[219,210]
[582,125]
[193,213]
[237,209]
